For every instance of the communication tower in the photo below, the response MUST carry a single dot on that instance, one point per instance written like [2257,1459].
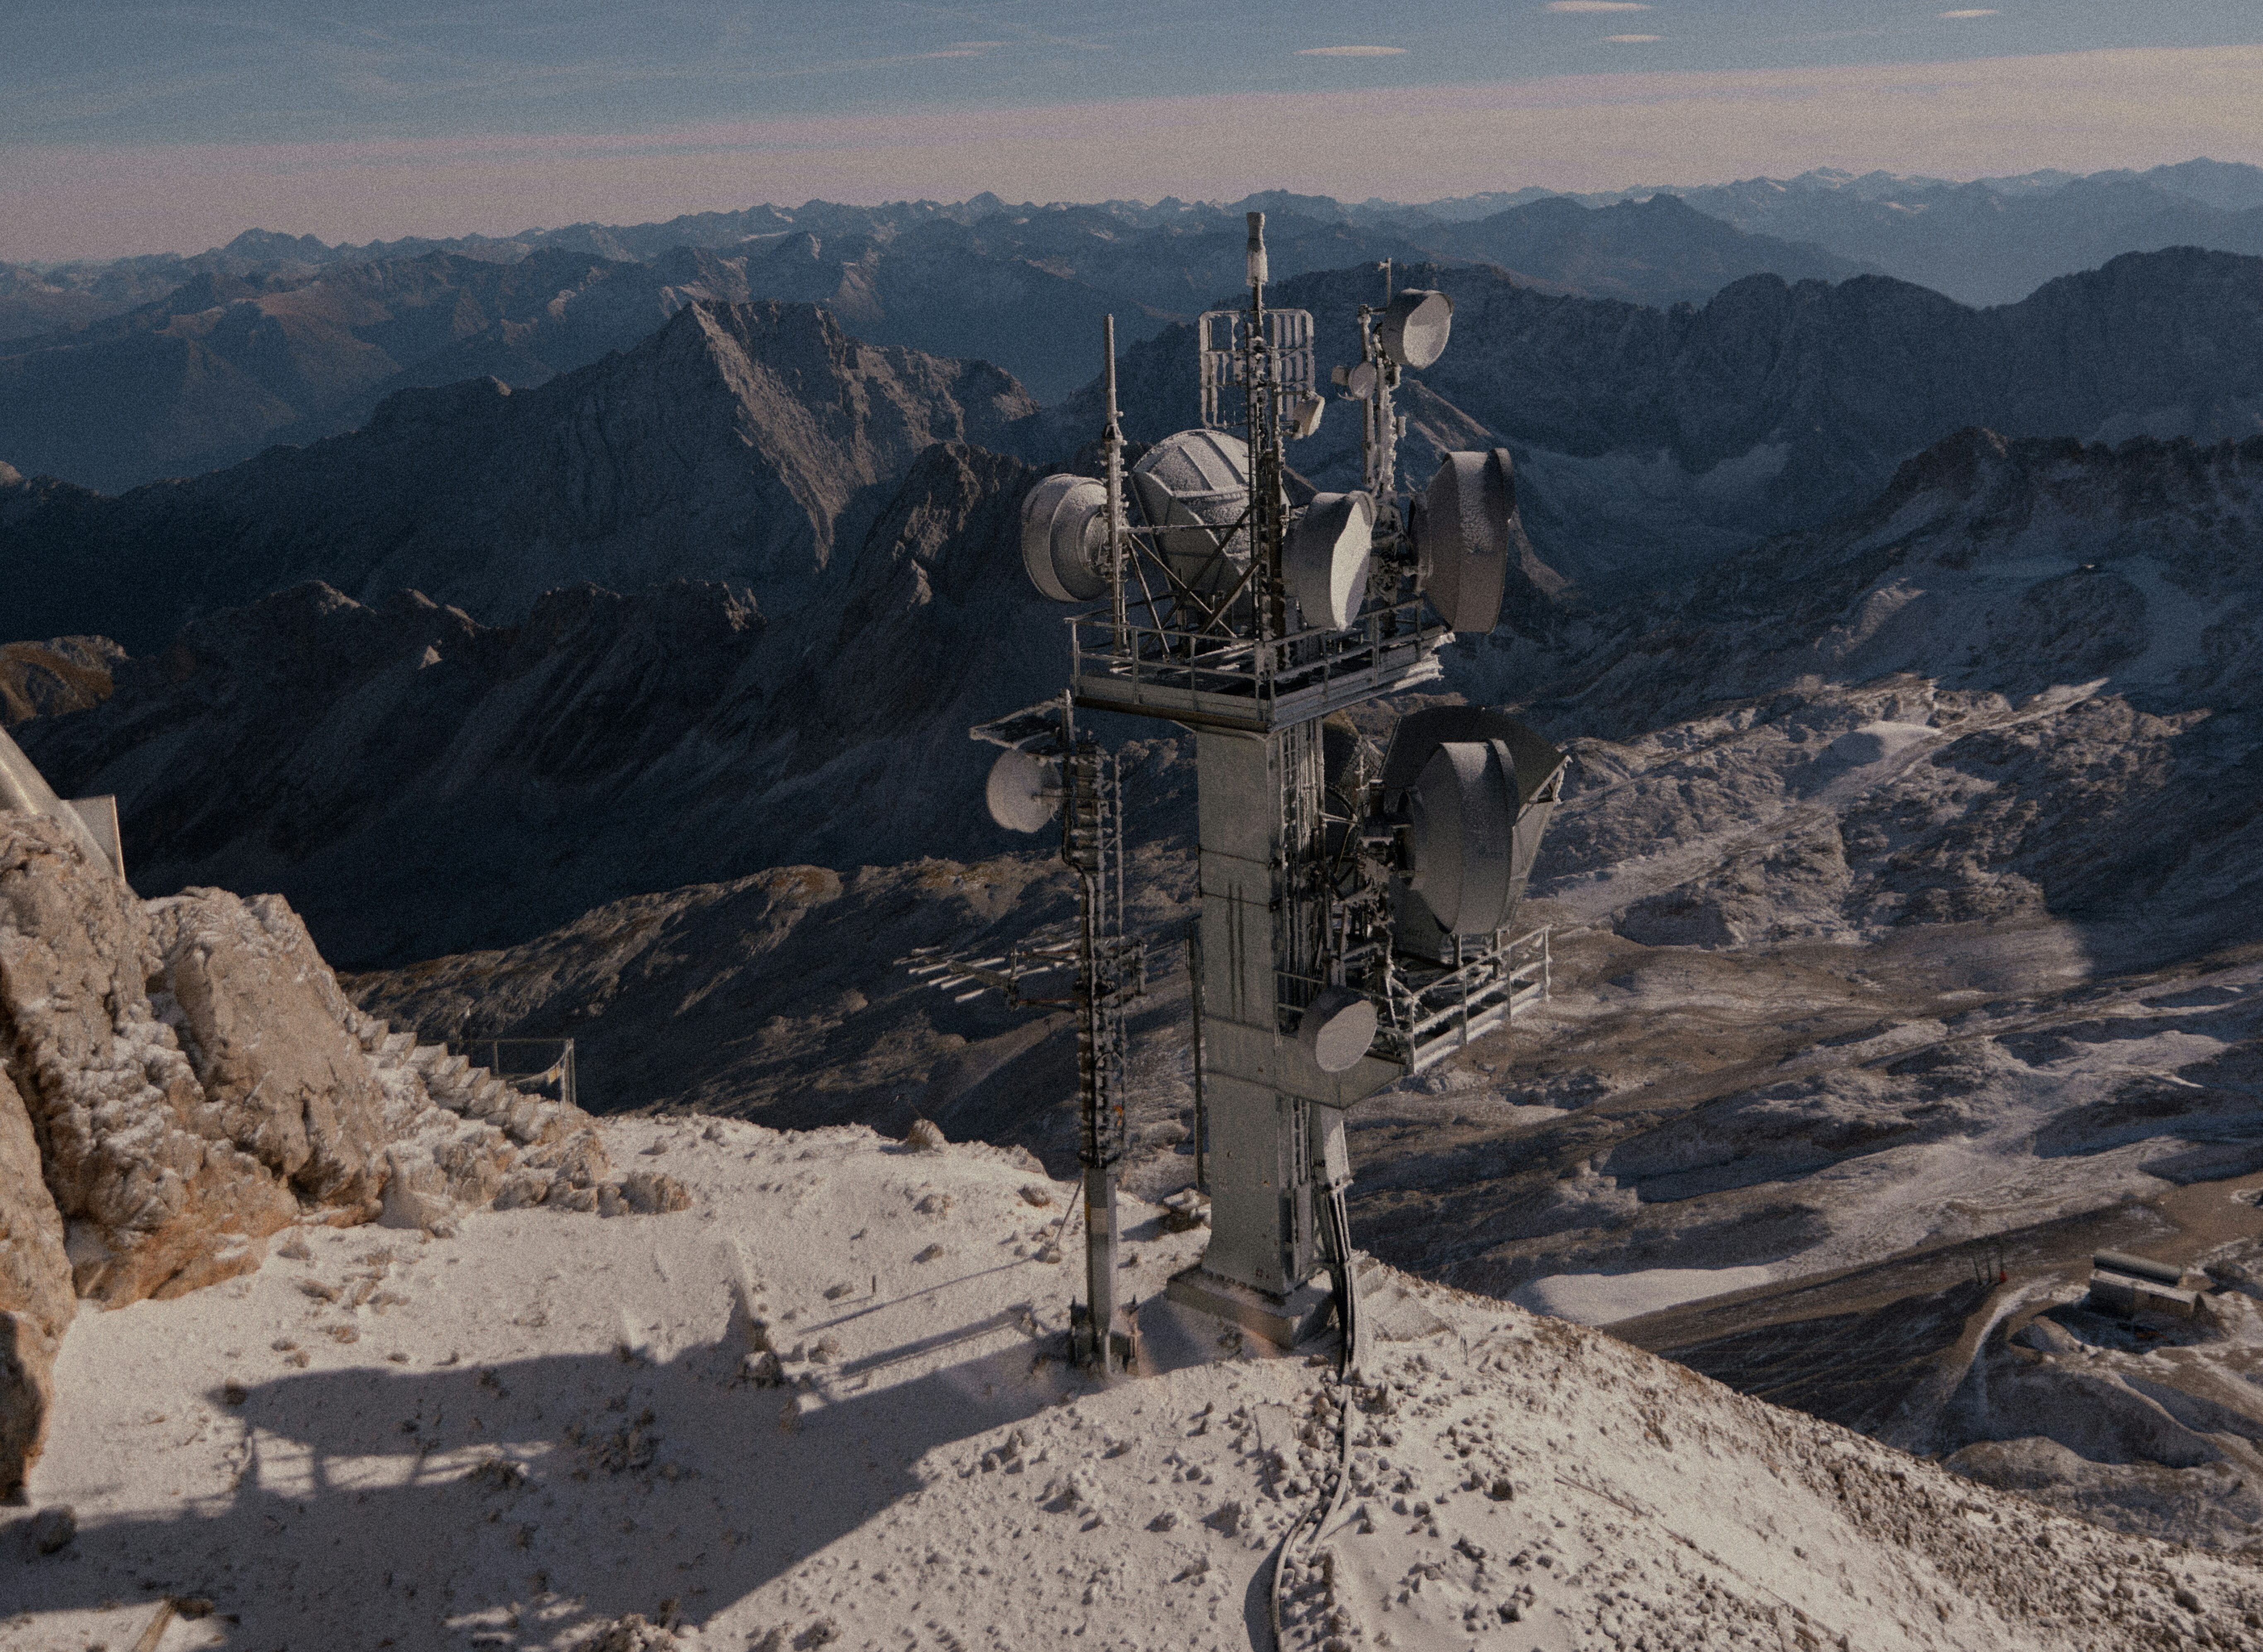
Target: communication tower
[1357,916]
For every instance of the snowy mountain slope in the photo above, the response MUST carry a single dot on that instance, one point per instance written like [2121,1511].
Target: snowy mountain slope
[520,1454]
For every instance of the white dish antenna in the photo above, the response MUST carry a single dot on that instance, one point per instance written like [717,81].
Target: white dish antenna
[1464,812]
[1475,788]
[1064,537]
[1336,1028]
[1196,486]
[1328,557]
[1463,537]
[1412,330]
[1357,380]
[1023,791]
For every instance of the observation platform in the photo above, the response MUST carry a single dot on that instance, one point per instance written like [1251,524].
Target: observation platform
[1213,680]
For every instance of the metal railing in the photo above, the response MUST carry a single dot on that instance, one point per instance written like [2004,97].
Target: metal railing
[1429,1015]
[1389,647]
[540,1064]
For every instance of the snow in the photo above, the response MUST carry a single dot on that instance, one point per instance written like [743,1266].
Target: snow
[519,1436]
[1603,1299]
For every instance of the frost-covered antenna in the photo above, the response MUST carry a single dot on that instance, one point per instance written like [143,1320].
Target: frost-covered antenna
[1357,907]
[1051,770]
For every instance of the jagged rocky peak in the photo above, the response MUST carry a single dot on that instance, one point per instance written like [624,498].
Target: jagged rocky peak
[744,442]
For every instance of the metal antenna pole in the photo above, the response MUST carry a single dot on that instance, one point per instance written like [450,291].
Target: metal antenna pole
[1111,447]
[1110,969]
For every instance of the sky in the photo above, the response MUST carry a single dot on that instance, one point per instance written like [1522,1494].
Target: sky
[139,127]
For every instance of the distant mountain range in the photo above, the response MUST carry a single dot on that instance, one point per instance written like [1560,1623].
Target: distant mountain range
[273,340]
[742,441]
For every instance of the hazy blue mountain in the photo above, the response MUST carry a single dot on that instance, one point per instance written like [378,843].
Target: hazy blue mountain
[1995,241]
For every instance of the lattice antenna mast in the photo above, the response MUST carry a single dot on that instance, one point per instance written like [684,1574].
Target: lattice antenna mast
[1355,906]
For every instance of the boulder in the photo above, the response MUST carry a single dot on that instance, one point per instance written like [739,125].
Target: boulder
[36,1301]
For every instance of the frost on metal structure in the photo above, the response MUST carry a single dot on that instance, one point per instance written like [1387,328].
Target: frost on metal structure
[1357,907]
[1049,769]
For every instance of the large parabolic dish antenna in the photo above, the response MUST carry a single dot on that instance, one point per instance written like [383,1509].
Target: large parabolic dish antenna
[1327,555]
[1064,538]
[1475,788]
[1463,537]
[1412,330]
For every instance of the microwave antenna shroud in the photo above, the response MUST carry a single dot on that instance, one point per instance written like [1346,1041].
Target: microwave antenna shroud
[1356,916]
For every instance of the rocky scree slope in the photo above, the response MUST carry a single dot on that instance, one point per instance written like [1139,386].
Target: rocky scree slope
[392,767]
[1905,890]
[746,442]
[181,1079]
[830,1408]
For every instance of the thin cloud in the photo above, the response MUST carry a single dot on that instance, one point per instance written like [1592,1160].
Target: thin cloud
[1631,40]
[2082,111]
[1984,13]
[1353,51]
[1596,6]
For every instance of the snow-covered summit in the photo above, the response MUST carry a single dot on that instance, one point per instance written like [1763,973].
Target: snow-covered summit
[558,1431]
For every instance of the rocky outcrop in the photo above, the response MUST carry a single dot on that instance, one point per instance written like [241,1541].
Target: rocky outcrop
[181,1080]
[45,679]
[36,1299]
[262,1022]
[158,1197]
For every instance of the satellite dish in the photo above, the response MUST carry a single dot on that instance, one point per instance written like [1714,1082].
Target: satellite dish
[1336,1028]
[1475,788]
[1358,380]
[1064,538]
[1462,535]
[1196,486]
[1464,813]
[1304,418]
[1412,330]
[1080,541]
[1023,791]
[1038,508]
[1327,556]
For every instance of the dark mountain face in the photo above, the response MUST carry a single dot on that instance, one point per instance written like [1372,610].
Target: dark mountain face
[418,782]
[223,365]
[739,442]
[1650,440]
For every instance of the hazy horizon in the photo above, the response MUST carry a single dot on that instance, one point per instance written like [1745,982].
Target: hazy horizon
[175,130]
